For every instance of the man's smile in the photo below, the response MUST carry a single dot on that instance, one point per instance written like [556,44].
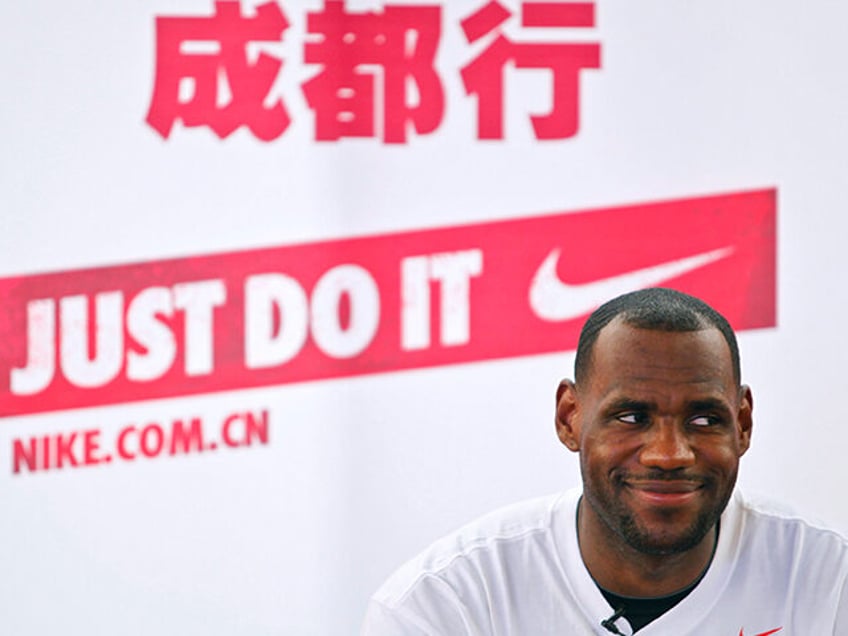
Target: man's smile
[663,491]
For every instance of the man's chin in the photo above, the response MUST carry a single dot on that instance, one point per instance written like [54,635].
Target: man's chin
[663,540]
[653,547]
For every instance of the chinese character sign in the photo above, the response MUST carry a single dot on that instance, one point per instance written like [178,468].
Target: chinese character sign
[377,74]
[229,32]
[483,77]
[343,93]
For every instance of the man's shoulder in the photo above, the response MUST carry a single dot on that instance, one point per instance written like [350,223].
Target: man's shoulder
[493,537]
[778,522]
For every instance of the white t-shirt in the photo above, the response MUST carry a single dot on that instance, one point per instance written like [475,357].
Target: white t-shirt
[518,571]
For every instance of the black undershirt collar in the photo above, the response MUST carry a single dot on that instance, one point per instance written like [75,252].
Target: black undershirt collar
[639,611]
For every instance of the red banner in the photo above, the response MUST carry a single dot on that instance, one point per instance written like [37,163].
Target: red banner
[375,304]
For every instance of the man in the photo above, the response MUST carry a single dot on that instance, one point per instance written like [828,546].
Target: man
[657,542]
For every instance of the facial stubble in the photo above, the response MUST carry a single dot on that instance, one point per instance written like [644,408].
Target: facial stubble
[623,522]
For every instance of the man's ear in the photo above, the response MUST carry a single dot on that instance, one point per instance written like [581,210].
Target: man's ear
[568,430]
[746,419]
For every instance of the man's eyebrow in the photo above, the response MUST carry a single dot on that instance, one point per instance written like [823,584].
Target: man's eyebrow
[709,404]
[630,404]
[633,404]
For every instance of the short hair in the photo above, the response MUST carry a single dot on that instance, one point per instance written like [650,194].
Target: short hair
[658,309]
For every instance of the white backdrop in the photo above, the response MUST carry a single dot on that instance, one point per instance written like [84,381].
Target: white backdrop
[358,473]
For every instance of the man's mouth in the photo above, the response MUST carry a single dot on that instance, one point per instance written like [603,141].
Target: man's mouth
[664,492]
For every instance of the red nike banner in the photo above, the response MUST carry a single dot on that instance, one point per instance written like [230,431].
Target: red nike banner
[373,304]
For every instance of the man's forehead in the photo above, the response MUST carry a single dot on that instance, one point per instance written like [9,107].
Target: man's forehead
[623,349]
[620,329]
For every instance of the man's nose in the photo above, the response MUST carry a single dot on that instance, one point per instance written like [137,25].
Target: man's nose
[667,446]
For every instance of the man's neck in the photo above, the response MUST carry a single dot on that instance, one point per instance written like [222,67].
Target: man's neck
[623,570]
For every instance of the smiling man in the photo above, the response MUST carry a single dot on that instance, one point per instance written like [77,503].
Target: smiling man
[657,541]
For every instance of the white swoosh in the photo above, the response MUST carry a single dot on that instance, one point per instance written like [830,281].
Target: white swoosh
[553,299]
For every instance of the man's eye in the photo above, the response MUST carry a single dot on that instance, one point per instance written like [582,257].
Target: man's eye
[630,418]
[703,420]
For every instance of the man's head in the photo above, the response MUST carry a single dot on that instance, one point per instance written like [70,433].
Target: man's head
[657,309]
[659,418]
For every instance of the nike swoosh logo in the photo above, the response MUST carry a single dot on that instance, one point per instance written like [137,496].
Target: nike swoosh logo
[774,631]
[555,300]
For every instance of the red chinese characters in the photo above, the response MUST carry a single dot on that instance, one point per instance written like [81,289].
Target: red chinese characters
[484,75]
[249,83]
[377,74]
[349,46]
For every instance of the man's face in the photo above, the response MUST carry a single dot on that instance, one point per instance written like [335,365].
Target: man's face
[660,424]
